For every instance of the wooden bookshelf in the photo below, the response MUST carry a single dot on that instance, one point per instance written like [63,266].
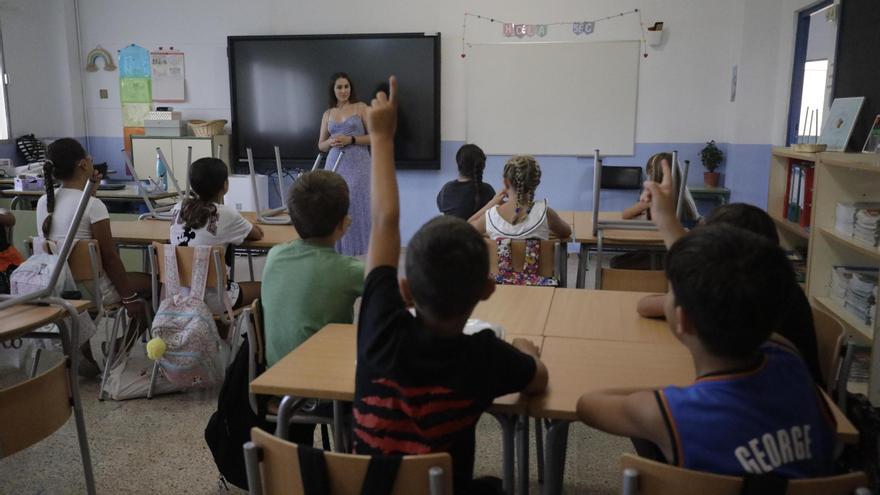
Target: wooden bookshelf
[838,178]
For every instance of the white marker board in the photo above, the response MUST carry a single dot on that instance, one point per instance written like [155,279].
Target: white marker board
[553,98]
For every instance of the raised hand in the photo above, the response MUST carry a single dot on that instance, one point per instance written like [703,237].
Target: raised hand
[382,114]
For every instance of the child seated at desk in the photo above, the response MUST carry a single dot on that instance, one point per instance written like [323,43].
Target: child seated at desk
[68,162]
[205,221]
[753,409]
[642,208]
[10,258]
[513,213]
[421,384]
[796,324]
[468,193]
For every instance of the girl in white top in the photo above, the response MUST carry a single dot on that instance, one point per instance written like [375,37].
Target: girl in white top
[206,221]
[520,216]
[69,163]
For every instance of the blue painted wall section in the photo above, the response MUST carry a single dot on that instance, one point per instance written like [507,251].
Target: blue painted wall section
[567,182]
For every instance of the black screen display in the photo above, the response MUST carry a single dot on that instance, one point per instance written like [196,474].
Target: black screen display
[280,87]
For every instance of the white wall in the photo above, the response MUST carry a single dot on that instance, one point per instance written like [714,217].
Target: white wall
[39,47]
[679,101]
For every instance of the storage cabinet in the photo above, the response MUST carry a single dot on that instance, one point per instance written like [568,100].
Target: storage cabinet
[839,178]
[175,150]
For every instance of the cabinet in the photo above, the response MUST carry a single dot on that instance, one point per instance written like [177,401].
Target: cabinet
[174,148]
[839,177]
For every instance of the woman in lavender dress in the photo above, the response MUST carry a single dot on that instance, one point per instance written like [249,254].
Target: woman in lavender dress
[344,132]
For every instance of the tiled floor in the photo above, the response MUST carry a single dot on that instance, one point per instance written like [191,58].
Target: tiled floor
[157,446]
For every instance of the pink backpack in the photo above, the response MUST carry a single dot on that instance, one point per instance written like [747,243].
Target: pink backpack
[193,355]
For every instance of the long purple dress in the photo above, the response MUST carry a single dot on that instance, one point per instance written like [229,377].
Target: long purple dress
[354,167]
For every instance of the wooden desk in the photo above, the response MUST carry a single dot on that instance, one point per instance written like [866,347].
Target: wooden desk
[145,232]
[604,315]
[519,309]
[19,320]
[127,194]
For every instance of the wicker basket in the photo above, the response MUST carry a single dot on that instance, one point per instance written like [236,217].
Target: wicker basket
[207,128]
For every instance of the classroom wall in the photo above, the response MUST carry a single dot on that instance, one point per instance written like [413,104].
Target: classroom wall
[684,86]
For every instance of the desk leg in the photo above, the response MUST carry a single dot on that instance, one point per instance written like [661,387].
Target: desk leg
[522,454]
[582,266]
[554,464]
[250,264]
[68,342]
[562,263]
[338,426]
[508,427]
[15,201]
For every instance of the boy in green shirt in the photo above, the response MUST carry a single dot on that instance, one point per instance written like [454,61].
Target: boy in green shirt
[306,283]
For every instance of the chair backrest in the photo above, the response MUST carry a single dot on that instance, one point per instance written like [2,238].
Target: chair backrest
[633,280]
[830,336]
[546,261]
[646,477]
[32,410]
[84,260]
[185,260]
[279,472]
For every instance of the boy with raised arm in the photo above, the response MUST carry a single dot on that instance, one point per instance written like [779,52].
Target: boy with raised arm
[421,384]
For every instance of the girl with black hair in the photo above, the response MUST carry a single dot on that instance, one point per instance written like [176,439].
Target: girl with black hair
[68,163]
[205,221]
[468,193]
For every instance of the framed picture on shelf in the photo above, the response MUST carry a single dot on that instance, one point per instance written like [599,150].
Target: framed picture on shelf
[840,121]
[872,144]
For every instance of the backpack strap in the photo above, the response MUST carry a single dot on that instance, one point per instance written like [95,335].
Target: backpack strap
[763,484]
[172,276]
[381,474]
[199,272]
[313,470]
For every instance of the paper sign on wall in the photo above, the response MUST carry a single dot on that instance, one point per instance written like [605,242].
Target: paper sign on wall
[168,76]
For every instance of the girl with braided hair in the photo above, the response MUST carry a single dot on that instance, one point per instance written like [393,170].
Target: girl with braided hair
[68,163]
[468,193]
[520,216]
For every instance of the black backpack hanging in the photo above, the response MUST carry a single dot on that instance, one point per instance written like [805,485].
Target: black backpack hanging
[230,426]
[30,148]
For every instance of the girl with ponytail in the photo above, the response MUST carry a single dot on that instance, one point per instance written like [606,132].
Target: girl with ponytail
[204,220]
[467,194]
[70,165]
[514,213]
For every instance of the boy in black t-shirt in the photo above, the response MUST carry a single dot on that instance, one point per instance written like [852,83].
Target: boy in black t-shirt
[421,385]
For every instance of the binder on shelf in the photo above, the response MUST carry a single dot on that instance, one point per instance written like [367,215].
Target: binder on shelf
[794,209]
[787,198]
[807,204]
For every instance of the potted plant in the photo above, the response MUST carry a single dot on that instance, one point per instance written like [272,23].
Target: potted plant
[711,157]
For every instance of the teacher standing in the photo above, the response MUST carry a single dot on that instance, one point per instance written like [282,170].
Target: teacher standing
[344,132]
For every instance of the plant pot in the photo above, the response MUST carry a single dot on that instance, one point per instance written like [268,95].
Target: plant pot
[711,179]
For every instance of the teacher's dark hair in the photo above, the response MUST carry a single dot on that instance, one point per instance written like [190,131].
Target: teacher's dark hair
[352,95]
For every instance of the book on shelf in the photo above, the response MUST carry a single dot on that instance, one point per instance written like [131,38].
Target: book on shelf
[858,220]
[798,202]
[855,289]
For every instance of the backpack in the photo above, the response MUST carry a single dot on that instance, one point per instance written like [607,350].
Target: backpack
[230,426]
[193,355]
[36,273]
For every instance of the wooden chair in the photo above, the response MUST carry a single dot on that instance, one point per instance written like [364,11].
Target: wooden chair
[633,280]
[35,408]
[256,335]
[87,269]
[646,477]
[546,262]
[273,468]
[830,340]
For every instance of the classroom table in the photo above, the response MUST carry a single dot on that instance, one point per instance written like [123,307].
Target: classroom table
[24,318]
[144,232]
[128,194]
[604,315]
[323,367]
[620,239]
[519,309]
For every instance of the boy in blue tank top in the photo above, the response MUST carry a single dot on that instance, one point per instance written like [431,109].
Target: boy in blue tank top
[754,407]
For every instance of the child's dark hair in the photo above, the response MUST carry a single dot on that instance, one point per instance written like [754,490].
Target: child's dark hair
[471,163]
[524,175]
[744,216]
[317,203]
[207,176]
[62,156]
[352,95]
[447,266]
[733,284]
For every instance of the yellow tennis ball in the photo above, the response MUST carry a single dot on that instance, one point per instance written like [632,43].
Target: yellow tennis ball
[155,348]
